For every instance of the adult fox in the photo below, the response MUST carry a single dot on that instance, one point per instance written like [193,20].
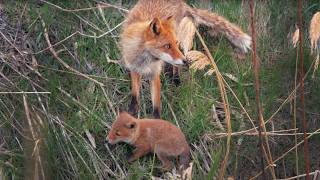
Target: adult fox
[149,38]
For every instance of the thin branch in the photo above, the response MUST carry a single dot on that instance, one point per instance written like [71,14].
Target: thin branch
[316,174]
[99,5]
[81,34]
[271,133]
[257,97]
[303,114]
[25,92]
[225,106]
[295,112]
[291,95]
[287,152]
[54,53]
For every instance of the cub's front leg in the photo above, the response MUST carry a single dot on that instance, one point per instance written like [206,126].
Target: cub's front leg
[139,152]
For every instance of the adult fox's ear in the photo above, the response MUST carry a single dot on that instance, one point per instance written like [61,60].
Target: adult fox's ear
[155,26]
[131,125]
[170,18]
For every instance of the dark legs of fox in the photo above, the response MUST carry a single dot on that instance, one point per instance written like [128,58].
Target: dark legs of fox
[173,73]
[135,90]
[175,76]
[156,96]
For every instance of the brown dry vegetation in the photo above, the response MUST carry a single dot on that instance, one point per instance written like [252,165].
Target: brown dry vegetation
[61,85]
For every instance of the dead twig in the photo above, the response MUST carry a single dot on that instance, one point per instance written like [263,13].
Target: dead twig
[23,92]
[258,102]
[287,152]
[271,133]
[316,174]
[302,101]
[78,33]
[99,5]
[55,55]
[225,105]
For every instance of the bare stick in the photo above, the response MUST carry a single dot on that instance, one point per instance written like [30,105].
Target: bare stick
[79,33]
[316,174]
[54,53]
[100,5]
[225,106]
[221,135]
[257,97]
[287,152]
[23,92]
[303,114]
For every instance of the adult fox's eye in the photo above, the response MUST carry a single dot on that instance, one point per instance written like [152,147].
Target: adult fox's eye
[167,46]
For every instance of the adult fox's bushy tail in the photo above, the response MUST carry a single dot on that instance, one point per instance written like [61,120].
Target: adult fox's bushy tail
[221,25]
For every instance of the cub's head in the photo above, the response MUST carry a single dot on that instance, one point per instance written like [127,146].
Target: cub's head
[161,41]
[123,129]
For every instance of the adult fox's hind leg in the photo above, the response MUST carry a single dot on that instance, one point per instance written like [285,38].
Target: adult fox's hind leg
[175,75]
[135,92]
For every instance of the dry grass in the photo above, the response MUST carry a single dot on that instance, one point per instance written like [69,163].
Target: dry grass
[315,33]
[295,37]
[79,150]
[315,38]
[186,33]
[199,61]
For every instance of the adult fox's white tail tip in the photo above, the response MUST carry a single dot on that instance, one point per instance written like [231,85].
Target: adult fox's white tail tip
[219,24]
[243,42]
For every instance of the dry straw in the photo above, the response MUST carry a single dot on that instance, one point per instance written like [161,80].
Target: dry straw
[200,61]
[315,33]
[186,33]
[295,37]
[315,38]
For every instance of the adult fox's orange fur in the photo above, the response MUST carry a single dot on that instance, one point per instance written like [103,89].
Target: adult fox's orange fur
[149,39]
[149,135]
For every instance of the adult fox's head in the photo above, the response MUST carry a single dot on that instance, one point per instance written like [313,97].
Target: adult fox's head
[160,40]
[123,129]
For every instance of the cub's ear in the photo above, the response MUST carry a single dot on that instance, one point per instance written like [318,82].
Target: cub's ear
[155,26]
[120,110]
[131,125]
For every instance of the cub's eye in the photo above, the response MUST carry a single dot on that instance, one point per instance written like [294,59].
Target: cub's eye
[167,46]
[117,133]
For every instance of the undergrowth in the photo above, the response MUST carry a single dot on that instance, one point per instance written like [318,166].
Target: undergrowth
[77,112]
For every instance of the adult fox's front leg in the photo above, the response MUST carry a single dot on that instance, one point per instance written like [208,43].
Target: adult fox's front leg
[135,92]
[155,95]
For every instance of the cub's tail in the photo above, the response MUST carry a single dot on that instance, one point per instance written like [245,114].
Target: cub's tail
[221,25]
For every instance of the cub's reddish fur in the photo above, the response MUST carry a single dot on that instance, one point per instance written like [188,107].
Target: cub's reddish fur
[151,136]
[149,39]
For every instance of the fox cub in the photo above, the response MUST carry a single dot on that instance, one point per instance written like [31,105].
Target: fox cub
[151,136]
